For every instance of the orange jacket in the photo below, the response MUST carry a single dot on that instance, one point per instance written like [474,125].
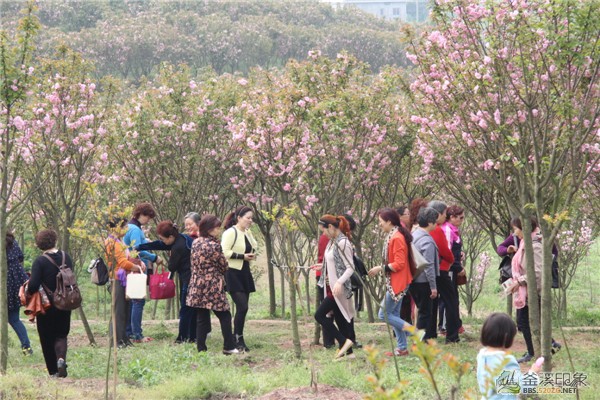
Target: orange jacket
[114,251]
[398,261]
[36,303]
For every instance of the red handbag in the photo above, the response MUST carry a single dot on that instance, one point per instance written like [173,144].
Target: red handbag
[161,287]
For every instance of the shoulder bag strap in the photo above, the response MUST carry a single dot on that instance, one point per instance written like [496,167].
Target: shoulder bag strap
[52,261]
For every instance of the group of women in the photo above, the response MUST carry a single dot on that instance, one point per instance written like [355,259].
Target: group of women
[210,264]
[208,268]
[435,233]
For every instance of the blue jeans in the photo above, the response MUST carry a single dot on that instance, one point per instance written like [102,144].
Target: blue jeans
[134,326]
[187,319]
[392,309]
[19,328]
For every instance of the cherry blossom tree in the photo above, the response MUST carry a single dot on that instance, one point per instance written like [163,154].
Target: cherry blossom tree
[513,86]
[16,69]
[171,144]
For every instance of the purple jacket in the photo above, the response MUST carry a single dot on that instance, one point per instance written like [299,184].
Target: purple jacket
[502,249]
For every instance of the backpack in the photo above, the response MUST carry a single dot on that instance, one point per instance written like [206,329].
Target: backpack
[67,296]
[99,272]
[359,271]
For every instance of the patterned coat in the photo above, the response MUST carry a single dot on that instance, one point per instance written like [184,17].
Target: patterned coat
[16,275]
[207,283]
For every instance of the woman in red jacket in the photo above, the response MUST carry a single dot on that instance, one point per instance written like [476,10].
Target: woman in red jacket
[398,274]
[445,287]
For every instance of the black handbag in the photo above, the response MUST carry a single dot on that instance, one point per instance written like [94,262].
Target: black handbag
[505,269]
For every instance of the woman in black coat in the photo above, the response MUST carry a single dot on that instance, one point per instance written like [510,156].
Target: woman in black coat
[53,326]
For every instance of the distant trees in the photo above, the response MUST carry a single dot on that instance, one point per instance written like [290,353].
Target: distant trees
[130,39]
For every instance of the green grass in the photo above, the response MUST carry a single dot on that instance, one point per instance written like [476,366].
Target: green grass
[163,370]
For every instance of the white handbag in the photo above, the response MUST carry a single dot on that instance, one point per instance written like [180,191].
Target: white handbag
[420,262]
[136,286]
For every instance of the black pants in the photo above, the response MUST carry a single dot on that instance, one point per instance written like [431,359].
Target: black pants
[203,327]
[406,309]
[344,330]
[187,318]
[241,309]
[447,291]
[441,314]
[421,293]
[328,341]
[53,328]
[457,298]
[525,328]
[122,311]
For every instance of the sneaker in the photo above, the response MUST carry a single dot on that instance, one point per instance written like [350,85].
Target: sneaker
[27,351]
[345,356]
[397,353]
[461,329]
[61,364]
[230,352]
[123,344]
[526,358]
[347,345]
[556,347]
[240,344]
[443,332]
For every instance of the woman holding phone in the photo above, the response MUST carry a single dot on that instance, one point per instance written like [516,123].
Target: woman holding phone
[239,247]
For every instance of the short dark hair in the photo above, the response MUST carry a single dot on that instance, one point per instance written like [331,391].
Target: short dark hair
[498,330]
[426,216]
[144,209]
[400,210]
[46,239]
[351,221]
[10,240]
[207,224]
[167,229]
[516,221]
[115,222]
[454,211]
[438,206]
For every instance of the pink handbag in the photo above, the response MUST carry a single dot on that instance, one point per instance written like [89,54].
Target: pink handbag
[161,287]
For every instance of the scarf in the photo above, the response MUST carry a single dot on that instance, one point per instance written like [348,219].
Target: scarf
[340,266]
[388,274]
[452,233]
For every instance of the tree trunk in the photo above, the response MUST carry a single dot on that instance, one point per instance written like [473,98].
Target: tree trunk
[86,325]
[293,278]
[282,293]
[271,276]
[532,291]
[307,290]
[546,304]
[369,303]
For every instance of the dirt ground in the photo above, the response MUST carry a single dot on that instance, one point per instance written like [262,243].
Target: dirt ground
[322,392]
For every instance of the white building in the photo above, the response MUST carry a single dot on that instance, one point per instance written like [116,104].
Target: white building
[405,10]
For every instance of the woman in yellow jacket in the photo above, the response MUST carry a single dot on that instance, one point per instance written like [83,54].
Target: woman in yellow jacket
[239,247]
